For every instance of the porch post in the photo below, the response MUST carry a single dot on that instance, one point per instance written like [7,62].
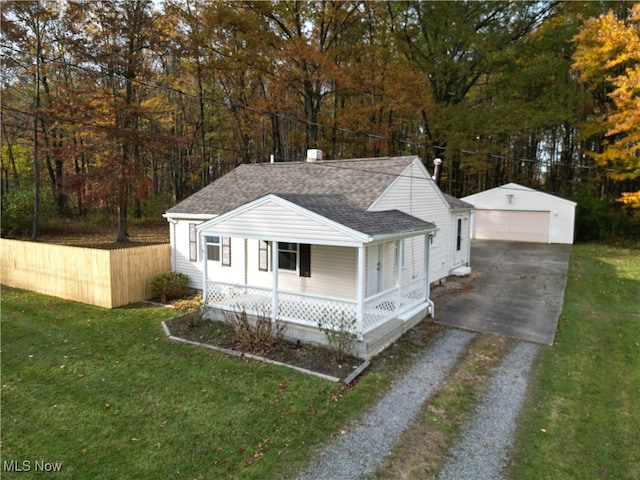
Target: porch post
[398,260]
[203,256]
[427,256]
[274,265]
[360,279]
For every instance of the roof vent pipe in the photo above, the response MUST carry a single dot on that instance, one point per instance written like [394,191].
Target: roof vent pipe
[314,155]
[437,170]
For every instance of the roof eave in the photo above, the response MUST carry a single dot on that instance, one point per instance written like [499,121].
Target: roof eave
[188,216]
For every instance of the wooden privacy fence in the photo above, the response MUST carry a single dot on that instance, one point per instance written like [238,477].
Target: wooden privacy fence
[106,278]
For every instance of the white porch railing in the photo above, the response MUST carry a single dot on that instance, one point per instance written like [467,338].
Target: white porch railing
[384,306]
[309,309]
[301,308]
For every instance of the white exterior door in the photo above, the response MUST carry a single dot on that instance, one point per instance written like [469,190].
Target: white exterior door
[374,269]
[458,240]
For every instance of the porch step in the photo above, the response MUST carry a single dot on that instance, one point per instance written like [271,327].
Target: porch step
[381,337]
[414,311]
[461,271]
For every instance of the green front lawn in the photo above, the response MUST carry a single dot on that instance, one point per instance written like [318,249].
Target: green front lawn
[104,393]
[582,419]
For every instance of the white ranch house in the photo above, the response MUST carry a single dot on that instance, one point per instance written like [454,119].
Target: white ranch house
[358,240]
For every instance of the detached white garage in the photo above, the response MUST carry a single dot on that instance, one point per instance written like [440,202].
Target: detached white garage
[517,213]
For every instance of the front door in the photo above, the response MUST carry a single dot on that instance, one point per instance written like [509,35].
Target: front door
[457,252]
[374,269]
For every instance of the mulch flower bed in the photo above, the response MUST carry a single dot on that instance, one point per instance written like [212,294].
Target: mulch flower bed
[220,334]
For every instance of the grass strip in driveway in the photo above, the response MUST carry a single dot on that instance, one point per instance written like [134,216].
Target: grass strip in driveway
[581,417]
[422,449]
[106,395]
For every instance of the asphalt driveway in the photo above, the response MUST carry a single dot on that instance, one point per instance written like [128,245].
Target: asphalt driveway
[515,289]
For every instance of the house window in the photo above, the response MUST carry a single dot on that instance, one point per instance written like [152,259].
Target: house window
[288,256]
[193,243]
[219,249]
[213,248]
[291,256]
[459,235]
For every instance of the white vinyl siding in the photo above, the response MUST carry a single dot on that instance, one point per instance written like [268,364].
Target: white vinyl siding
[182,244]
[413,193]
[218,270]
[260,222]
[333,272]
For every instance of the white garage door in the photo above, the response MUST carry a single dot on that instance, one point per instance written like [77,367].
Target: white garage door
[519,226]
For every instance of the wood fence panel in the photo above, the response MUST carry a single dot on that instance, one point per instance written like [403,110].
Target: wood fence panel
[132,270]
[106,278]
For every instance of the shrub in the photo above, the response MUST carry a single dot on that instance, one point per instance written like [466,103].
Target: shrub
[259,336]
[17,211]
[169,286]
[340,332]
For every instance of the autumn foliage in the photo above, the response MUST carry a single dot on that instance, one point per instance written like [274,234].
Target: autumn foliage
[608,51]
[142,103]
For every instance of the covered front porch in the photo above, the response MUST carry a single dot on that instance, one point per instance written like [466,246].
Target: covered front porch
[312,310]
[282,260]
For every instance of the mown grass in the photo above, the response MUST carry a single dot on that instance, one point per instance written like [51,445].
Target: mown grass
[107,395]
[581,418]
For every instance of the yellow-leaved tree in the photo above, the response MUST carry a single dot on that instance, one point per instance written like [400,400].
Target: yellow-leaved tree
[608,56]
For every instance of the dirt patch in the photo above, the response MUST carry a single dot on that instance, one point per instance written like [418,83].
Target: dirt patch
[78,234]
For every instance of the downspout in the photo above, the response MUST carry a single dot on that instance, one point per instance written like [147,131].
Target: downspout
[172,233]
[203,255]
[427,287]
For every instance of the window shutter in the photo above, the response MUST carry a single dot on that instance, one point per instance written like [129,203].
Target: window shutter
[305,260]
[263,256]
[226,252]
[193,243]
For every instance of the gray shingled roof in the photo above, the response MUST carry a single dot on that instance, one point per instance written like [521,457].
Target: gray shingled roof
[359,181]
[336,208]
[456,203]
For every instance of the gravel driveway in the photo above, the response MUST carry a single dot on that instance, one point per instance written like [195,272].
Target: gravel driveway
[364,443]
[486,441]
[487,438]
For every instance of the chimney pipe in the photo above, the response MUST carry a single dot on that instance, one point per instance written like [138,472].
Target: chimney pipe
[437,170]
[314,155]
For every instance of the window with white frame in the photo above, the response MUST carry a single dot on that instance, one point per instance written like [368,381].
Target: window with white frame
[288,256]
[291,256]
[213,248]
[219,249]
